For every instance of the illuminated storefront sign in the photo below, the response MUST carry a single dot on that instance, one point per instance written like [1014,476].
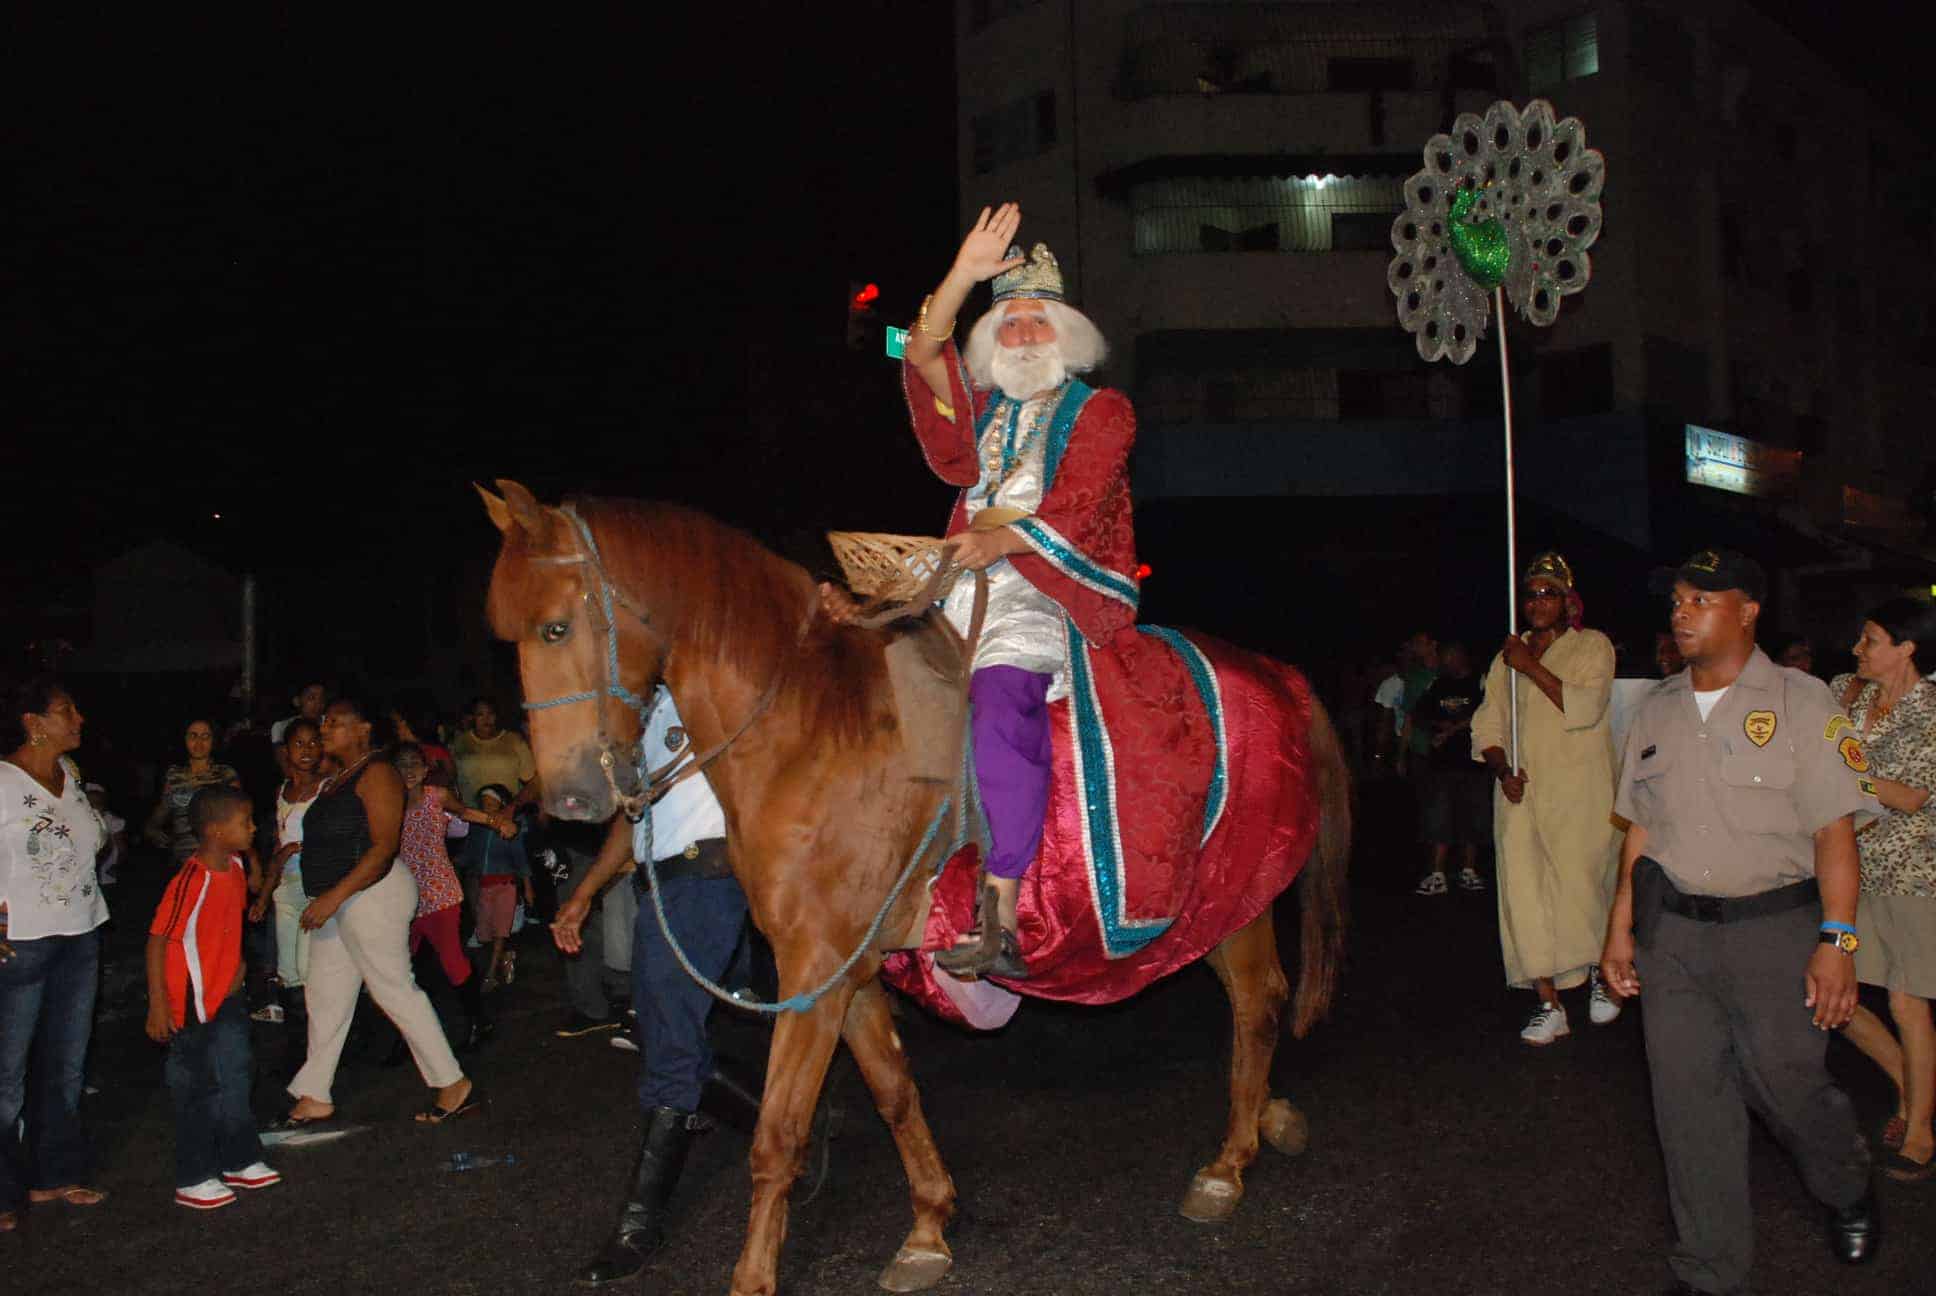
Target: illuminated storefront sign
[1735,464]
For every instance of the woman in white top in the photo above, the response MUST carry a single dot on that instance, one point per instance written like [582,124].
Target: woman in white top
[50,946]
[302,751]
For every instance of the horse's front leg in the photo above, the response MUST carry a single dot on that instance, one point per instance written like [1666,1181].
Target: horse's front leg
[796,1068]
[924,1258]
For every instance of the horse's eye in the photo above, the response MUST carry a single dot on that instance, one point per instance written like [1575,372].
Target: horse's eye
[554,631]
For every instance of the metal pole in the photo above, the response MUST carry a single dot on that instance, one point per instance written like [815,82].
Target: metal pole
[1512,518]
[248,647]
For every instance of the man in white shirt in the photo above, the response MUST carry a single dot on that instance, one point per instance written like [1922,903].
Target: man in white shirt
[685,836]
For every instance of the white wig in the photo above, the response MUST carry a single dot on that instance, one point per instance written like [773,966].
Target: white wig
[1076,336]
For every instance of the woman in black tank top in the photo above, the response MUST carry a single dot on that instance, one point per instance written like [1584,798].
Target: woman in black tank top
[350,839]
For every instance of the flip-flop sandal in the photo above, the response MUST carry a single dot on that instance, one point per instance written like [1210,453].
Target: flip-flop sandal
[289,1121]
[1903,1170]
[435,1115]
[72,1195]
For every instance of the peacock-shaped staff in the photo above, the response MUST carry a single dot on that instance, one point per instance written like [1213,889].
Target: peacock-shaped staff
[1507,206]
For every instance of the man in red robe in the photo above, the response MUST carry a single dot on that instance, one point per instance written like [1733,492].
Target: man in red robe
[1042,460]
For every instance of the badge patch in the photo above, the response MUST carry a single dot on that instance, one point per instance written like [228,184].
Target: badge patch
[1867,785]
[1759,726]
[675,738]
[1853,755]
[1836,724]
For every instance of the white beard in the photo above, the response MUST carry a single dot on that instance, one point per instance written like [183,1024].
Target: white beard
[1021,372]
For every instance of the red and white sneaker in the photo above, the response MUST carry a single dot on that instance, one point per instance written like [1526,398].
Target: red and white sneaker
[258,1175]
[209,1194]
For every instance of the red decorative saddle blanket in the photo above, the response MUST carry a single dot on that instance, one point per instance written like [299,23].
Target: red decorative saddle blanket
[1184,801]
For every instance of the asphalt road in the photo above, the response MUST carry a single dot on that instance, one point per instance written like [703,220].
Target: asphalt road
[1445,1156]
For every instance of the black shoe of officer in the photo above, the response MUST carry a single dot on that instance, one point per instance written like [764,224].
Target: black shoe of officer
[1854,1232]
[641,1230]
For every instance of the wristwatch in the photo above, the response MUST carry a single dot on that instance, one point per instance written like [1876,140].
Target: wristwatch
[1847,942]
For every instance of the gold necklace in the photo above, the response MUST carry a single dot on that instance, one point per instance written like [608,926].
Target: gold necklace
[329,784]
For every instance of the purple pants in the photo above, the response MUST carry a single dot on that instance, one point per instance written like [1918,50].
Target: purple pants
[1012,761]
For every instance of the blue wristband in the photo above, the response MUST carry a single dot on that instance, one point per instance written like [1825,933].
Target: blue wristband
[1839,927]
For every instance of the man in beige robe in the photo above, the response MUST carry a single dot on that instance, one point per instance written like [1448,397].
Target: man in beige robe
[1556,847]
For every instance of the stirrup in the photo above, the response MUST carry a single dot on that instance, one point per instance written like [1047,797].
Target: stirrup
[997,952]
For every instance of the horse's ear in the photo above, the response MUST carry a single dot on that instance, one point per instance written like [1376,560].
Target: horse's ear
[523,507]
[500,511]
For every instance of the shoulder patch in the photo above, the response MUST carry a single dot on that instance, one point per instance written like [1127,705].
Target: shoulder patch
[1868,786]
[1836,724]
[1852,754]
[1760,727]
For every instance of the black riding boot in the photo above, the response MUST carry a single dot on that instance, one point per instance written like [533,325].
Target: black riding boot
[642,1223]
[478,1026]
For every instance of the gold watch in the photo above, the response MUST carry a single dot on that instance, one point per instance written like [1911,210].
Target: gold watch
[1847,942]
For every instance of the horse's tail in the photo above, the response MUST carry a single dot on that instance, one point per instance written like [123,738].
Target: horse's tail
[1322,894]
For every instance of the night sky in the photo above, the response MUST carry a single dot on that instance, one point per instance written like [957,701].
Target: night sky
[315,270]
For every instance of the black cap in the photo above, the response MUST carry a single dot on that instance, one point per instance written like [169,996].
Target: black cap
[1714,569]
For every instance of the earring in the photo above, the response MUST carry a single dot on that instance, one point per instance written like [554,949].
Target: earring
[39,740]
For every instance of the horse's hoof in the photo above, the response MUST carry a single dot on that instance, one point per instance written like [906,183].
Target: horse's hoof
[1210,1201]
[1284,1127]
[913,1271]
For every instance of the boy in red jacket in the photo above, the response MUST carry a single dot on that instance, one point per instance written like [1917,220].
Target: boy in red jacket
[195,1006]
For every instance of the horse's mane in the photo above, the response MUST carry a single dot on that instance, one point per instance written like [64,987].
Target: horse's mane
[727,598]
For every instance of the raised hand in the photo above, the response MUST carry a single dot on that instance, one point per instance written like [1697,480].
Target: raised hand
[984,252]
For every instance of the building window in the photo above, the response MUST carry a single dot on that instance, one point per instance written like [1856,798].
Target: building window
[1563,51]
[1265,213]
[1368,74]
[1018,130]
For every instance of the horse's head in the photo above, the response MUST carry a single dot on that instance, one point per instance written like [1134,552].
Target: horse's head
[551,596]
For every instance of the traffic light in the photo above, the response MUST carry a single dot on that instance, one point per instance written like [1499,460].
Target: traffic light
[861,317]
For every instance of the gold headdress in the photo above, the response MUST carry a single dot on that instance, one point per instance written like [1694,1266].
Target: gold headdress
[1038,277]
[1551,566]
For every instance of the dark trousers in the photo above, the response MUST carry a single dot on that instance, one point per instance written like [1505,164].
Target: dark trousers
[708,917]
[208,1075]
[47,994]
[1727,1031]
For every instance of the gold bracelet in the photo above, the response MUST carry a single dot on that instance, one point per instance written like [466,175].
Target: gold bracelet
[921,323]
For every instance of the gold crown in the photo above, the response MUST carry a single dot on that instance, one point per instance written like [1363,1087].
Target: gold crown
[1037,277]
[1552,567]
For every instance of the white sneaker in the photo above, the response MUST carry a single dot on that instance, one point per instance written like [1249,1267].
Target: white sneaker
[624,1043]
[1547,1024]
[256,1175]
[1601,1006]
[268,1013]
[209,1194]
[1470,880]
[1431,884]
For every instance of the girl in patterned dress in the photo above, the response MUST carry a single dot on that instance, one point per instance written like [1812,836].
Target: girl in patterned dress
[440,900]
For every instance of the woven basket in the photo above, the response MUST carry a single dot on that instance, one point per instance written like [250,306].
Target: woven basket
[888,568]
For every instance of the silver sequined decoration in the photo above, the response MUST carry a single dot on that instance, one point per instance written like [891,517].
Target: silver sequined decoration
[1539,180]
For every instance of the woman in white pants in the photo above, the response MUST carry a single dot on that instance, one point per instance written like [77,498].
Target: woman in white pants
[361,902]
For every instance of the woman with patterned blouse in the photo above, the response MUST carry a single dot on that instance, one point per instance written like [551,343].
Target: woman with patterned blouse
[1893,708]
[440,899]
[51,912]
[168,826]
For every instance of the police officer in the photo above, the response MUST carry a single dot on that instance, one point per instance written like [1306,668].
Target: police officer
[1736,910]
[685,834]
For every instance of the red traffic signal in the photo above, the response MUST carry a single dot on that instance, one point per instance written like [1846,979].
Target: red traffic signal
[1142,571]
[865,298]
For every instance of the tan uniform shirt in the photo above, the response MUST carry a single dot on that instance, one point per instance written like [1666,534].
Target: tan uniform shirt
[1731,804]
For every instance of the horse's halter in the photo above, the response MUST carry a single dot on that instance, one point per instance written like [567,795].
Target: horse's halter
[656,783]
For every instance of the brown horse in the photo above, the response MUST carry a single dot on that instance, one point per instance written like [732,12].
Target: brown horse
[821,820]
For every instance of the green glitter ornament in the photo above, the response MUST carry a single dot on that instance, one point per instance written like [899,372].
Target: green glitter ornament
[1481,246]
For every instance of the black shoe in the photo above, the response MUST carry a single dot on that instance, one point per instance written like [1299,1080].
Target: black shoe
[580,1024]
[475,1035]
[1854,1232]
[641,1230]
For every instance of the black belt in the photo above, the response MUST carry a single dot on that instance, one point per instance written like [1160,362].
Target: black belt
[1726,909]
[700,859]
